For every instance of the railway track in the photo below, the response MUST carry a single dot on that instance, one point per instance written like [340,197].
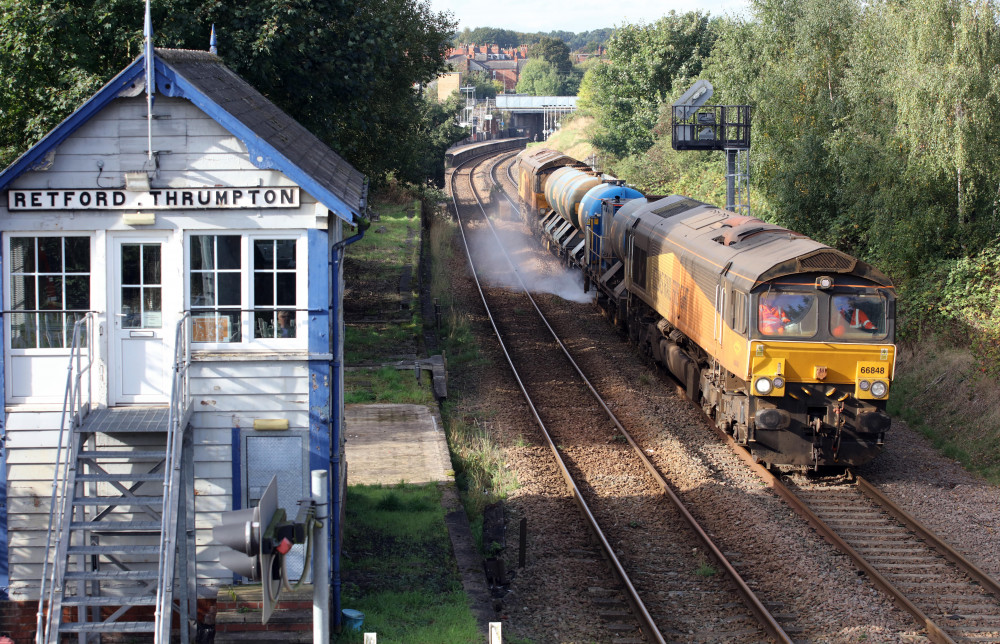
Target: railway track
[666,564]
[943,591]
[949,597]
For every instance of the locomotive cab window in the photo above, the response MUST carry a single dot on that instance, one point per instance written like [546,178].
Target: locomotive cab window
[858,316]
[738,314]
[639,257]
[787,315]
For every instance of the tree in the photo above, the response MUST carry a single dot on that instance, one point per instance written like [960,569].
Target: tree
[555,52]
[539,78]
[485,86]
[347,72]
[440,130]
[504,38]
[643,61]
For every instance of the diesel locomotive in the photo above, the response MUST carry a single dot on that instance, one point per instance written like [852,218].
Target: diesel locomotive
[785,342]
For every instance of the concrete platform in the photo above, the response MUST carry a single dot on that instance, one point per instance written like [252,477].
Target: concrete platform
[387,444]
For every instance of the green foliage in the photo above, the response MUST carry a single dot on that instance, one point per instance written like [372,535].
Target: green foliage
[387,385]
[505,38]
[480,469]
[398,569]
[958,301]
[485,86]
[346,72]
[875,125]
[943,394]
[440,131]
[555,52]
[539,78]
[875,128]
[643,60]
[705,569]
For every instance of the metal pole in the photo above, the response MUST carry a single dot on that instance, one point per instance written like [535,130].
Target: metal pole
[730,179]
[321,561]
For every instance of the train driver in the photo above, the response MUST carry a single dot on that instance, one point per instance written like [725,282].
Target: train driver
[771,319]
[851,318]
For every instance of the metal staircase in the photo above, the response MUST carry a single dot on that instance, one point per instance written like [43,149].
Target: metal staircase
[121,529]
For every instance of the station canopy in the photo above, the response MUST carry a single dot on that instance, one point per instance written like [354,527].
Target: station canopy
[525,103]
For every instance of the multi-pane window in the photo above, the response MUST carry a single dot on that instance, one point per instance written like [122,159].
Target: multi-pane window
[243,288]
[274,288]
[216,287]
[49,290]
[142,291]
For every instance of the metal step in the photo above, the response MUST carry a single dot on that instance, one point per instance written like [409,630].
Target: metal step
[118,478]
[132,600]
[114,550]
[107,627]
[116,526]
[112,575]
[145,455]
[119,500]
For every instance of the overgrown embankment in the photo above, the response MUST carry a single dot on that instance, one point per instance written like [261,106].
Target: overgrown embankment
[385,324]
[382,319]
[947,374]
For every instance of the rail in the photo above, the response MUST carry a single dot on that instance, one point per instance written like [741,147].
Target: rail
[177,420]
[750,599]
[934,632]
[76,406]
[760,612]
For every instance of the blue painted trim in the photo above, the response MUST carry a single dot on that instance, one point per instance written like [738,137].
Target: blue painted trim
[237,460]
[35,156]
[319,343]
[336,256]
[237,470]
[171,83]
[4,545]
[336,425]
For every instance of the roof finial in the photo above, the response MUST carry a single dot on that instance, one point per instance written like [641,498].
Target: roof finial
[213,42]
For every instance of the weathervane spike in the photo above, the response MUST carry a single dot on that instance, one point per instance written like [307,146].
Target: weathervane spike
[147,32]
[213,42]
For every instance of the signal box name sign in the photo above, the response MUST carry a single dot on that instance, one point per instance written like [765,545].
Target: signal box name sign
[161,199]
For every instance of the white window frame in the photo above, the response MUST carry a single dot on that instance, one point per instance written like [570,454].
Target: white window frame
[47,356]
[249,343]
[8,291]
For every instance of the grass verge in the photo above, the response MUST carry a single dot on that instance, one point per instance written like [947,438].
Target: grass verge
[480,471]
[398,569]
[387,385]
[943,394]
[384,247]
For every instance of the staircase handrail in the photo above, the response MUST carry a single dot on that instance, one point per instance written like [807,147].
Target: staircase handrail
[76,406]
[176,421]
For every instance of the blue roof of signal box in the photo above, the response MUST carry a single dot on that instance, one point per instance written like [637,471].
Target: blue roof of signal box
[273,138]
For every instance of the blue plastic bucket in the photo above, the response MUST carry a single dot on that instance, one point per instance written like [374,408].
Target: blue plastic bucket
[353,619]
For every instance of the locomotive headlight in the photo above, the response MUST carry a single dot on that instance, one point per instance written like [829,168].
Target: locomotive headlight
[779,382]
[879,389]
[864,385]
[763,386]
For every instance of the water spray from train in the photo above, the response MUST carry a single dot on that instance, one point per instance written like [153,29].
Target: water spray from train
[534,268]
